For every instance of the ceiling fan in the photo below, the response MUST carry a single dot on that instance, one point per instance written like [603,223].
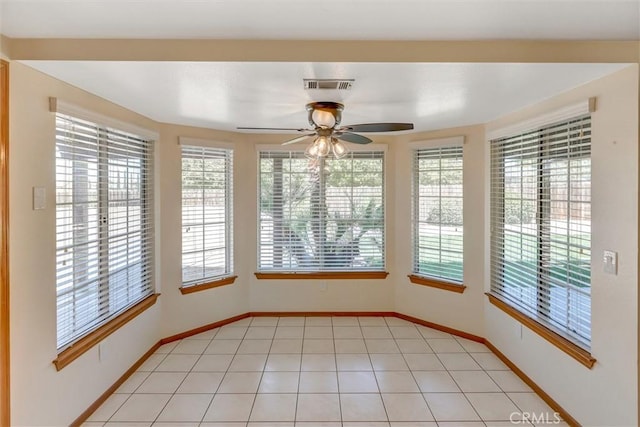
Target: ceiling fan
[324,118]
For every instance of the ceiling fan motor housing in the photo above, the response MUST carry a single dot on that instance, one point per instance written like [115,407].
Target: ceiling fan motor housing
[334,108]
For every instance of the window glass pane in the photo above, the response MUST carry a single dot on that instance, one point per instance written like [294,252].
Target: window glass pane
[325,215]
[437,213]
[207,203]
[103,224]
[541,225]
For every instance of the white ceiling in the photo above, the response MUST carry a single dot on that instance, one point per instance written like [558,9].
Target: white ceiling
[323,19]
[226,95]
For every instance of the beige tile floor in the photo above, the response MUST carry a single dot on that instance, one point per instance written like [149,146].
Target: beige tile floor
[322,372]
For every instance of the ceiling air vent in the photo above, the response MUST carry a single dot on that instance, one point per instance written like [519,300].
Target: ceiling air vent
[331,84]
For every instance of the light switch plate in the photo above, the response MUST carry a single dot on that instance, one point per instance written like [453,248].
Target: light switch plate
[610,262]
[39,198]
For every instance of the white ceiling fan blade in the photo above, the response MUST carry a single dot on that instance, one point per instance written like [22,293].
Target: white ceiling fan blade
[297,139]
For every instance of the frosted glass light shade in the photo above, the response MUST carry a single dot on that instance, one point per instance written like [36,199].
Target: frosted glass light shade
[312,151]
[338,148]
[323,118]
[324,146]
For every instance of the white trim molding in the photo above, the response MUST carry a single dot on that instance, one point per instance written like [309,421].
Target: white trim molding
[59,106]
[559,115]
[199,142]
[453,141]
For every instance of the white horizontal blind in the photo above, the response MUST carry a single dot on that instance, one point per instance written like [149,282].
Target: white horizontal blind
[437,213]
[207,218]
[321,215]
[541,225]
[104,221]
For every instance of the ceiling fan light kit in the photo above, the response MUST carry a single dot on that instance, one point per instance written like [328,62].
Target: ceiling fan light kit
[324,118]
[322,146]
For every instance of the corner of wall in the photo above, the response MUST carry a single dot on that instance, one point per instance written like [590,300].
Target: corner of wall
[460,311]
[5,47]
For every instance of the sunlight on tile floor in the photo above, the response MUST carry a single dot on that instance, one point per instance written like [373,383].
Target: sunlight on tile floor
[322,372]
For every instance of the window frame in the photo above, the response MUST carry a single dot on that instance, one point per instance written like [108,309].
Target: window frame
[416,276]
[563,339]
[83,342]
[5,392]
[323,274]
[228,277]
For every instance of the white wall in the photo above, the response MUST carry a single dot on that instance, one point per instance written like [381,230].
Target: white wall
[39,394]
[181,313]
[605,395]
[459,311]
[608,393]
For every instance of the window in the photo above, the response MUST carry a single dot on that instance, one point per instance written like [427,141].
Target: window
[541,225]
[437,213]
[104,225]
[325,215]
[207,191]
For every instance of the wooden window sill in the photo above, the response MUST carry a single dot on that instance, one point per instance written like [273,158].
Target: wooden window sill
[323,275]
[85,343]
[209,285]
[437,283]
[573,350]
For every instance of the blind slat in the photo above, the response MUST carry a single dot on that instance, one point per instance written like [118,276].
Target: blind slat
[207,214]
[321,215]
[104,224]
[541,225]
[437,213]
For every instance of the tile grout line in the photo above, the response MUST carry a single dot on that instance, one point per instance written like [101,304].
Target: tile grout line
[226,371]
[506,393]
[447,370]
[154,371]
[189,372]
[133,392]
[295,412]
[335,359]
[411,371]
[204,414]
[373,369]
[463,393]
[185,377]
[255,396]
[492,380]
[145,378]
